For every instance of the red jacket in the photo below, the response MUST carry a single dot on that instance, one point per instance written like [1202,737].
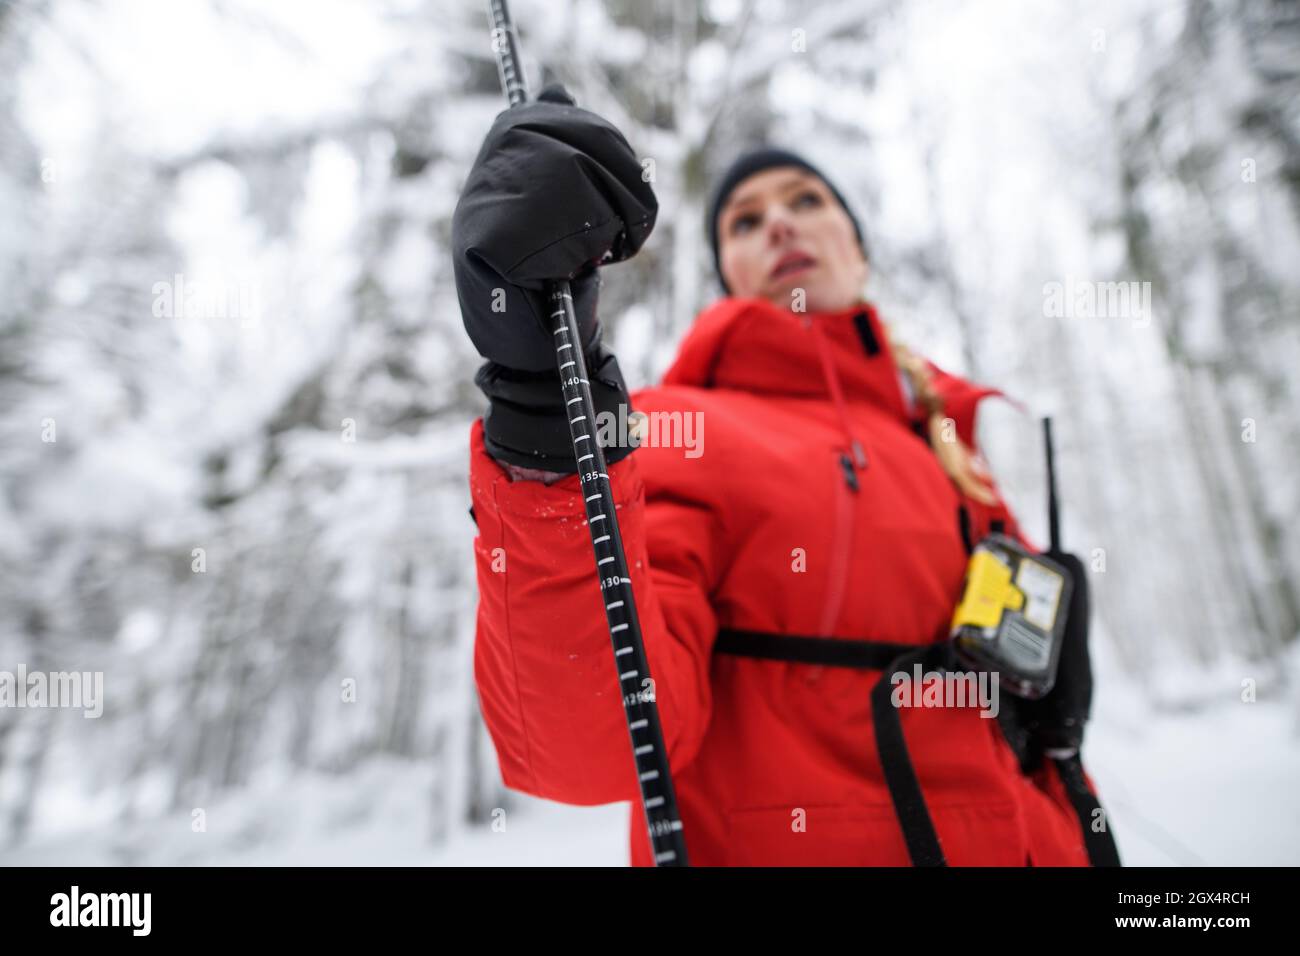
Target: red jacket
[774,763]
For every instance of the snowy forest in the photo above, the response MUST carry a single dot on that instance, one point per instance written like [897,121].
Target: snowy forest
[236,392]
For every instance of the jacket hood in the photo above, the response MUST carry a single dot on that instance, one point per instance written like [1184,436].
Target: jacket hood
[754,346]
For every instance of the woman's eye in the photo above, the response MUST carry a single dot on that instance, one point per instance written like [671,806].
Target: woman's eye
[743,223]
[808,199]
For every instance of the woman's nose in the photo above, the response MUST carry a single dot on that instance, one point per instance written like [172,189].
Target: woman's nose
[780,227]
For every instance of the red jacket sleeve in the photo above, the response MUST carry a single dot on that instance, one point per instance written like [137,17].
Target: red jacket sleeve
[543,658]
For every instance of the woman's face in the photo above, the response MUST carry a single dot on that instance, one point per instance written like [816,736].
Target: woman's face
[782,230]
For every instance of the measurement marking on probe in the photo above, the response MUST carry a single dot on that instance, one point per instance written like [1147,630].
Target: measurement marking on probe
[605,560]
[591,497]
[618,627]
[572,400]
[580,418]
[650,775]
[628,674]
[637,724]
[566,345]
[645,749]
[610,607]
[622,650]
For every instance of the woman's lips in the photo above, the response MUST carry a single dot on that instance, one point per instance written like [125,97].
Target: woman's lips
[791,265]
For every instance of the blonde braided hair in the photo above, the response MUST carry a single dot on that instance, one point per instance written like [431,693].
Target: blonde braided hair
[959,461]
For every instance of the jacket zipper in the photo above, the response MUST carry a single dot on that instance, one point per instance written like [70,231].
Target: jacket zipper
[841,549]
[851,459]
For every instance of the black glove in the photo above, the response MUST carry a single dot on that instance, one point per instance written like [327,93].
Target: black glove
[554,192]
[527,422]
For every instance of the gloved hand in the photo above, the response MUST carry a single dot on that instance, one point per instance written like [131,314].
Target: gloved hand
[527,423]
[555,192]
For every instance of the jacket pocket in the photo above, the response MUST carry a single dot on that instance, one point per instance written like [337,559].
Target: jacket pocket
[985,834]
[869,835]
[815,835]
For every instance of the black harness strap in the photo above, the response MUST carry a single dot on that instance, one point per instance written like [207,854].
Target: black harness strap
[904,789]
[963,525]
[866,655]
[923,845]
[1101,847]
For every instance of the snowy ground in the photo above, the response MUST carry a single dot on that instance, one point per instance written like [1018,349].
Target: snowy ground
[377,816]
[1185,783]
[1216,786]
[1219,788]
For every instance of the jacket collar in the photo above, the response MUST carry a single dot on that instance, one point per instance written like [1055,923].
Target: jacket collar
[754,346]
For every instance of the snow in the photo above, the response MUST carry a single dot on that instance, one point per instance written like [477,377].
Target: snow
[1214,787]
[1201,784]
[375,815]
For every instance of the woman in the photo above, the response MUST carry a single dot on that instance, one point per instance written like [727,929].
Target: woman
[835,495]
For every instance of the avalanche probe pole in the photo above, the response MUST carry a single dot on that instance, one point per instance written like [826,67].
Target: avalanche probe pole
[635,686]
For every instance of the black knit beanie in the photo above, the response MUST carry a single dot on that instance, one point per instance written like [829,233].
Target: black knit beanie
[755,161]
